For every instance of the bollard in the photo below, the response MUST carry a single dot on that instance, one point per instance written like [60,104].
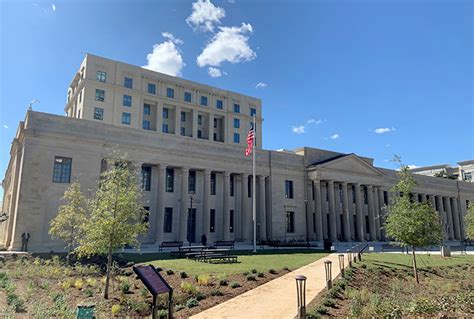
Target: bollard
[359,255]
[341,264]
[349,258]
[301,296]
[327,267]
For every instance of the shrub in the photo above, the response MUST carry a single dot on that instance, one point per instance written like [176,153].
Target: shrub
[116,310]
[334,292]
[245,273]
[178,308]
[144,293]
[91,282]
[260,274]
[200,296]
[203,280]
[251,278]
[321,310]
[124,287]
[422,306]
[65,285]
[192,302]
[15,302]
[88,292]
[188,288]
[329,303]
[78,284]
[235,284]
[216,292]
[223,282]
[183,274]
[254,271]
[286,268]
[163,313]
[170,272]
[272,271]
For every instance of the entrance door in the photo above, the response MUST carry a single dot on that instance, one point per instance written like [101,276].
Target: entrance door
[191,234]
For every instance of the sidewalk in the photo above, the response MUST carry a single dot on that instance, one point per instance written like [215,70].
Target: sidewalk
[277,298]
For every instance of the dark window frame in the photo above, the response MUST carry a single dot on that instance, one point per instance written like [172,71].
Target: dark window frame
[62,169]
[290,222]
[212,220]
[151,88]
[128,82]
[168,220]
[100,95]
[169,186]
[192,182]
[213,181]
[146,178]
[289,191]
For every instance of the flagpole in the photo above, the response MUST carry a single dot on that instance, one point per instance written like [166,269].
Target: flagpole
[254,199]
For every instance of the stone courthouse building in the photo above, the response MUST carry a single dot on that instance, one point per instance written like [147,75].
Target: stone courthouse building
[189,140]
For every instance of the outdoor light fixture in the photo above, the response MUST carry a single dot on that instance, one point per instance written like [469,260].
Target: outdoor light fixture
[349,258]
[301,295]
[327,267]
[341,264]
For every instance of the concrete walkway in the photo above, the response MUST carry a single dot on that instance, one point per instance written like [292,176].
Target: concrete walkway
[277,298]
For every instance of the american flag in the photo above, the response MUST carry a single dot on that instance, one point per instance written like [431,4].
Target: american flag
[250,139]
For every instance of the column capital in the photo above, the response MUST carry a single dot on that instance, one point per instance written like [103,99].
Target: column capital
[344,184]
[161,167]
[185,169]
[330,182]
[206,171]
[226,174]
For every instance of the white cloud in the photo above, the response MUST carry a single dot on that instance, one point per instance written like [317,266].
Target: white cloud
[383,130]
[412,166]
[298,129]
[166,56]
[261,85]
[215,72]
[5,126]
[334,136]
[313,121]
[205,15]
[387,145]
[229,44]
[53,6]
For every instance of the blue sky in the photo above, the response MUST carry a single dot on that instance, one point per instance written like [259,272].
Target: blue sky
[376,78]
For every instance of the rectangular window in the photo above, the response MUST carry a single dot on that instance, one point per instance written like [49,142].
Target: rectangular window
[353,194]
[212,222]
[253,111]
[204,100]
[62,169]
[199,119]
[385,197]
[231,185]
[165,113]
[215,123]
[468,177]
[214,137]
[99,95]
[146,125]
[236,138]
[164,128]
[249,186]
[170,93]
[151,88]
[98,113]
[231,221]
[146,216]
[126,118]
[187,97]
[290,222]
[236,108]
[219,104]
[101,76]
[146,178]
[199,134]
[146,109]
[213,183]
[366,198]
[169,180]
[192,182]
[236,123]
[183,116]
[183,131]
[289,189]
[168,220]
[128,82]
[127,100]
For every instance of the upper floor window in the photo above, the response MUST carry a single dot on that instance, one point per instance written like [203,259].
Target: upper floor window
[151,88]
[289,189]
[165,113]
[127,100]
[187,97]
[146,125]
[219,104]
[199,119]
[99,95]
[236,123]
[192,182]
[213,183]
[62,169]
[101,76]
[290,222]
[468,177]
[183,116]
[146,109]
[236,138]
[236,108]
[169,180]
[164,128]
[204,100]
[253,111]
[98,113]
[231,185]
[126,117]
[128,82]
[170,93]
[146,178]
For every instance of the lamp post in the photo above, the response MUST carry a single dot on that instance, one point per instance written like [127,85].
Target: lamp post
[349,258]
[327,267]
[301,295]
[341,264]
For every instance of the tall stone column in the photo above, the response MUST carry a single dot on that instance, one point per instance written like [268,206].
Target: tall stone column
[244,209]
[318,206]
[352,210]
[457,225]
[226,212]
[324,209]
[381,214]
[332,212]
[360,213]
[346,224]
[449,216]
[370,198]
[442,213]
[211,127]
[262,208]
[177,120]
[377,213]
[205,203]
[195,123]
[183,207]
[462,213]
[433,201]
[160,205]
[310,211]
[159,117]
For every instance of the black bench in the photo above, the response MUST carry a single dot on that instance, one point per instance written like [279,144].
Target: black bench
[221,257]
[392,247]
[225,243]
[171,244]
[460,248]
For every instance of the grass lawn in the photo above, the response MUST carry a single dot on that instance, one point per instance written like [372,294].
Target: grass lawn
[397,261]
[262,261]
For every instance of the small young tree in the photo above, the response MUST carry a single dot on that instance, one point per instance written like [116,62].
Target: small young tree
[116,217]
[66,226]
[469,222]
[409,222]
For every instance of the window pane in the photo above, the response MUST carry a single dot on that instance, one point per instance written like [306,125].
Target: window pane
[151,88]
[187,96]
[62,169]
[204,100]
[212,222]
[168,219]
[236,123]
[213,183]
[219,104]
[165,113]
[146,178]
[101,76]
[128,82]
[170,93]
[236,138]
[146,124]
[146,109]
[98,113]
[126,118]
[100,95]
[236,108]
[169,180]
[127,100]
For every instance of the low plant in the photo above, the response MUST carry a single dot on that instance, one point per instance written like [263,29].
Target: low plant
[189,288]
[235,284]
[192,302]
[88,292]
[286,268]
[170,272]
[124,287]
[253,271]
[321,310]
[260,274]
[78,283]
[245,273]
[183,274]
[329,303]
[116,309]
[163,313]
[272,271]
[65,285]
[223,282]
[200,296]
[204,280]
[251,278]
[216,292]
[14,301]
[178,308]
[91,282]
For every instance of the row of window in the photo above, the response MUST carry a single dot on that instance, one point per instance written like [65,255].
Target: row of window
[168,222]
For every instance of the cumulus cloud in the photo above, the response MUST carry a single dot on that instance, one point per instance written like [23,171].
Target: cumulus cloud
[261,85]
[299,129]
[313,121]
[5,126]
[53,6]
[412,166]
[383,130]
[205,16]
[334,136]
[215,72]
[166,56]
[230,44]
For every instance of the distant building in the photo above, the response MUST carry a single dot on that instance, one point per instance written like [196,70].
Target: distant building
[463,172]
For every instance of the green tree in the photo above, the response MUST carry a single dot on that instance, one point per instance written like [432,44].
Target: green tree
[116,217]
[66,226]
[409,222]
[469,222]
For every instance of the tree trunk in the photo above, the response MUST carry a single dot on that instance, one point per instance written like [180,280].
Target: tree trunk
[415,270]
[107,276]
